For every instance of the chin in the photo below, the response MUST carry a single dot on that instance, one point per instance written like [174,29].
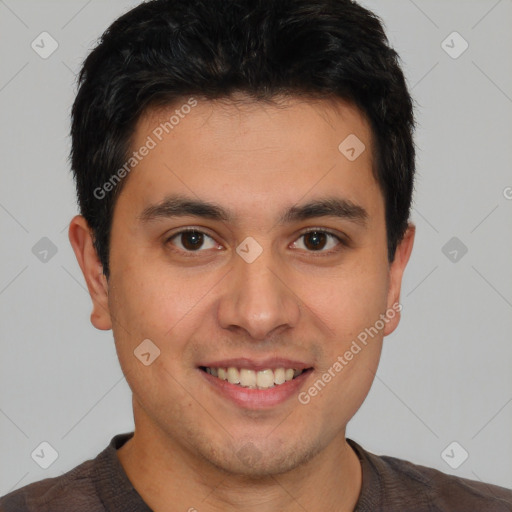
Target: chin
[253,459]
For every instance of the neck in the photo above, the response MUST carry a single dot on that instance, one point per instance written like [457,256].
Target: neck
[171,474]
[170,478]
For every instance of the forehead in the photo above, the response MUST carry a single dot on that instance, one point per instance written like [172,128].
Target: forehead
[254,152]
[282,124]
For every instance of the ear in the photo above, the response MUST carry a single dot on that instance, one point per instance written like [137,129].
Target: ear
[80,236]
[396,271]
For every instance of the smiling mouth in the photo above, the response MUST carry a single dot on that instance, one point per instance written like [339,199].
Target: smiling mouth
[251,379]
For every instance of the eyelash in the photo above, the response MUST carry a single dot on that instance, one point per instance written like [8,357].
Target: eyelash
[344,243]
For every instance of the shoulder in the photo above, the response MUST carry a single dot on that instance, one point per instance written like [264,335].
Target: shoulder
[404,484]
[449,492]
[74,490]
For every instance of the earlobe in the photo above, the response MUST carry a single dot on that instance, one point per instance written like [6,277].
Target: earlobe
[80,237]
[396,271]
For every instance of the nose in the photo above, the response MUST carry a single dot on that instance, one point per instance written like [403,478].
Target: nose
[258,298]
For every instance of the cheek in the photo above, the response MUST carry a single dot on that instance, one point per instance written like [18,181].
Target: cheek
[351,306]
[351,299]
[159,308]
[152,298]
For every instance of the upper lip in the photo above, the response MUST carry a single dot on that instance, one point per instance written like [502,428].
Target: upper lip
[258,365]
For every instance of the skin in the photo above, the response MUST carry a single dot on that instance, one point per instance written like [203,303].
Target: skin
[256,160]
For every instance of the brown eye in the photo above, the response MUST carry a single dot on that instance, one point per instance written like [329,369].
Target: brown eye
[191,240]
[317,240]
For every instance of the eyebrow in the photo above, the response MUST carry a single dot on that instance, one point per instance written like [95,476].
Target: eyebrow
[180,206]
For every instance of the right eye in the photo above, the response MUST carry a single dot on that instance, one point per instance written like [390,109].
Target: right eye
[191,240]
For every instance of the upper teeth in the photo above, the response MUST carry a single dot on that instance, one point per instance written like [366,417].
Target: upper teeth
[252,379]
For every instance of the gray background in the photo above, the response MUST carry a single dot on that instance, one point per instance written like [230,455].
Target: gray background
[445,374]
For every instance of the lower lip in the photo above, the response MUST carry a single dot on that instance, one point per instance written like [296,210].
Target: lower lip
[257,398]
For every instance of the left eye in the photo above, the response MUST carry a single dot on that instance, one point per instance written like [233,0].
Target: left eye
[317,240]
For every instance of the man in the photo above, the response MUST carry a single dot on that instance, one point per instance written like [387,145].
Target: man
[244,171]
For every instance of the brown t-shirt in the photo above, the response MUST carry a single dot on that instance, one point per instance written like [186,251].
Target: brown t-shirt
[389,484]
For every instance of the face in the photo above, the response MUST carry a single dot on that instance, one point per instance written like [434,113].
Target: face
[282,269]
